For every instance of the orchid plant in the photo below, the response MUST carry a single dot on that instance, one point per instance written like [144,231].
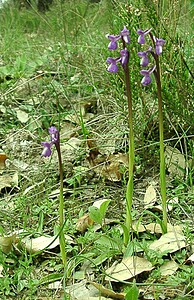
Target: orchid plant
[155,69]
[123,60]
[55,140]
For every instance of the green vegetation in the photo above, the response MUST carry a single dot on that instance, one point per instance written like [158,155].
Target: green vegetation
[53,72]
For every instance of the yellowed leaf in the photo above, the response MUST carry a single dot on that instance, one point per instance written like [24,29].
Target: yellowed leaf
[110,167]
[169,268]
[6,242]
[128,268]
[169,242]
[150,196]
[9,181]
[175,162]
[22,115]
[107,292]
[83,223]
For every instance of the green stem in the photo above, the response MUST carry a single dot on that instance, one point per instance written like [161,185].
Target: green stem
[61,207]
[161,133]
[129,192]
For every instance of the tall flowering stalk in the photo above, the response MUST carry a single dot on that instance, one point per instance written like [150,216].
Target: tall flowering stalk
[123,60]
[158,44]
[55,140]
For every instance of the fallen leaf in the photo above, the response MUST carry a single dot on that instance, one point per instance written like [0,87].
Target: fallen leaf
[22,115]
[110,167]
[107,292]
[169,268]
[9,181]
[190,258]
[6,242]
[169,242]
[43,242]
[156,228]
[1,269]
[83,223]
[83,291]
[150,196]
[175,162]
[128,268]
[3,158]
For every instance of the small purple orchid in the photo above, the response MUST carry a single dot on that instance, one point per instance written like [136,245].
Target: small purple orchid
[146,73]
[125,35]
[124,56]
[113,41]
[141,38]
[124,53]
[159,44]
[144,57]
[47,149]
[54,136]
[113,68]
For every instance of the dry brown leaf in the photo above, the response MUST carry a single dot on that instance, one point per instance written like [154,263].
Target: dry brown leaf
[110,166]
[3,158]
[6,242]
[83,223]
[169,268]
[107,292]
[169,242]
[40,243]
[156,228]
[9,181]
[175,162]
[128,268]
[84,291]
[150,196]
[170,204]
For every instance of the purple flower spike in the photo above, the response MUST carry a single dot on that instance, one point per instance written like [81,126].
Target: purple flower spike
[159,44]
[113,68]
[124,56]
[113,41]
[125,35]
[146,73]
[144,57]
[47,149]
[54,134]
[141,39]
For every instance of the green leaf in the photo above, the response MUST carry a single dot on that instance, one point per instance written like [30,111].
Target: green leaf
[133,293]
[103,207]
[95,215]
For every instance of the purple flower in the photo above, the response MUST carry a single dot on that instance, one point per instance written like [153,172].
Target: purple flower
[54,134]
[146,73]
[124,56]
[141,39]
[113,41]
[144,57]
[125,35]
[47,149]
[159,44]
[113,68]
